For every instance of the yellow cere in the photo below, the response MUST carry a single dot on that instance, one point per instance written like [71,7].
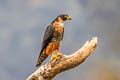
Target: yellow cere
[67,17]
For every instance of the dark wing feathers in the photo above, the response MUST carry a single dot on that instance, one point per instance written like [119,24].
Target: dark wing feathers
[47,38]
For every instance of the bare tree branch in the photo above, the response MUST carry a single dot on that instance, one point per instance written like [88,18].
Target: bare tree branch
[52,68]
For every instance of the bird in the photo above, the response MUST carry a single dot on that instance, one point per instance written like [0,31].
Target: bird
[52,38]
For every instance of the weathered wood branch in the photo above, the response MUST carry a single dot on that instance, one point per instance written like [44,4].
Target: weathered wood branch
[52,68]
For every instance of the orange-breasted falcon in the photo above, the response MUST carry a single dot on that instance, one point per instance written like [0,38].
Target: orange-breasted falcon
[52,37]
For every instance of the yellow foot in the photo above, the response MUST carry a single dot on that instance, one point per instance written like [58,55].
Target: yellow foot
[54,57]
[58,53]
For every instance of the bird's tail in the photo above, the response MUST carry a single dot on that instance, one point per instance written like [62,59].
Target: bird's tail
[41,58]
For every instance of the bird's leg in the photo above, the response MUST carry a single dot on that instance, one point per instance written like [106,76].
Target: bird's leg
[58,53]
[53,56]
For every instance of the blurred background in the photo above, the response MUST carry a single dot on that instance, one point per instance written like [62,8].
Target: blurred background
[22,25]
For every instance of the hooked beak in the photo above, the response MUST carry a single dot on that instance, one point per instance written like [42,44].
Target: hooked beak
[70,18]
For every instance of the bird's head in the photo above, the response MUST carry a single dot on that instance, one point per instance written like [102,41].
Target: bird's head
[64,17]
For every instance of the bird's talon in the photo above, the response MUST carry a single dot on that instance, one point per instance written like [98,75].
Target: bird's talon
[59,54]
[54,57]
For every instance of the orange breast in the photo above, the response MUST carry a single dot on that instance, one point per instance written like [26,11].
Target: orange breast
[52,46]
[57,27]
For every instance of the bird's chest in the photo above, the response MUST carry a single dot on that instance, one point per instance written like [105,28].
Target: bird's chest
[58,28]
[58,33]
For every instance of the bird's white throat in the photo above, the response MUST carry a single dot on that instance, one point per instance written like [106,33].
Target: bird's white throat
[61,24]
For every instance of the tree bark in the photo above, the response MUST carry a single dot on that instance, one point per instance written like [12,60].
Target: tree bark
[66,62]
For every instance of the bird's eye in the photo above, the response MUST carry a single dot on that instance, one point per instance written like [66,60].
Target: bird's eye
[67,17]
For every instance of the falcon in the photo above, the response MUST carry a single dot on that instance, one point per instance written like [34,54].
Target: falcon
[52,37]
